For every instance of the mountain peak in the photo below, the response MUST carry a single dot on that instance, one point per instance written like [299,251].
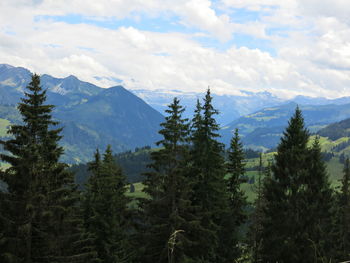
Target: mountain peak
[71,77]
[116,91]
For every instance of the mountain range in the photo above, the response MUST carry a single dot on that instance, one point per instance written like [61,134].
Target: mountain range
[263,129]
[230,107]
[94,117]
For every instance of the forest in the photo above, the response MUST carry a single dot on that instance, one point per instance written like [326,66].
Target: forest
[193,209]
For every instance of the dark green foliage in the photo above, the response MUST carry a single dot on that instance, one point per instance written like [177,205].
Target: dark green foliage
[257,217]
[342,233]
[133,164]
[208,171]
[170,225]
[249,153]
[237,201]
[105,209]
[298,200]
[38,210]
[319,200]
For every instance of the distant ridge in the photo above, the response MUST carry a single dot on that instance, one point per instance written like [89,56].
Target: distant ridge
[263,129]
[92,116]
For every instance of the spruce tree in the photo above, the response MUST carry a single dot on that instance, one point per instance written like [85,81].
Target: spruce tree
[257,217]
[318,201]
[39,205]
[237,200]
[208,171]
[342,229]
[297,200]
[170,224]
[105,209]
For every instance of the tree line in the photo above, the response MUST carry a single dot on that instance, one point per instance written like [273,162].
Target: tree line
[195,210]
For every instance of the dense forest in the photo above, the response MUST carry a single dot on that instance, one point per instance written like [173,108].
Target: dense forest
[192,210]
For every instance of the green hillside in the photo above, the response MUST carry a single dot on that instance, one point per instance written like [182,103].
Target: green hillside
[263,129]
[336,130]
[334,166]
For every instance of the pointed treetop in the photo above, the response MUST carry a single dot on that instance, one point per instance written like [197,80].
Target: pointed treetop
[108,155]
[296,134]
[236,158]
[97,155]
[316,143]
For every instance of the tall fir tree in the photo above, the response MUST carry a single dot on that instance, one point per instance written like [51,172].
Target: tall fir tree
[319,201]
[342,226]
[297,199]
[236,216]
[170,224]
[105,209]
[208,171]
[257,216]
[39,206]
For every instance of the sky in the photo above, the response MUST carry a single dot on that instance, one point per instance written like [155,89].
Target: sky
[286,47]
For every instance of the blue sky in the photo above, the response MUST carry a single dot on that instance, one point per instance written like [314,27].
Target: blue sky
[288,47]
[170,23]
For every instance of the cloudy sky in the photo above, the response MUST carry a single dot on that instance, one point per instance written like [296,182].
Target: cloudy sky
[287,47]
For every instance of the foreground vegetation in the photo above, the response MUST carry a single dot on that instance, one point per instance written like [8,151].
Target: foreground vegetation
[191,207]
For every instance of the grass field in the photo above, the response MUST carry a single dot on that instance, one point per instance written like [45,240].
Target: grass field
[4,127]
[4,166]
[136,195]
[334,168]
[138,191]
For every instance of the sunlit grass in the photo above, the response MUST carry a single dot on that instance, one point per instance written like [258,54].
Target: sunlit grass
[4,124]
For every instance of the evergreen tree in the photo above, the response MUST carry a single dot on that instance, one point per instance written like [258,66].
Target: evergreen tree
[319,202]
[342,234]
[237,200]
[170,224]
[105,209]
[208,171]
[257,219]
[297,199]
[39,205]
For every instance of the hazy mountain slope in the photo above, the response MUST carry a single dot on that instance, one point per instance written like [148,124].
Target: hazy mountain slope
[229,106]
[91,116]
[336,130]
[120,114]
[263,128]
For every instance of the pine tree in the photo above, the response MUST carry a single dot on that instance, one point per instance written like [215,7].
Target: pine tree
[105,209]
[168,213]
[38,208]
[297,199]
[208,171]
[342,234]
[237,200]
[257,218]
[319,201]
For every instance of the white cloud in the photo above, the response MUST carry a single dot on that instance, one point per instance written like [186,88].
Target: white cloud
[192,13]
[199,13]
[312,52]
